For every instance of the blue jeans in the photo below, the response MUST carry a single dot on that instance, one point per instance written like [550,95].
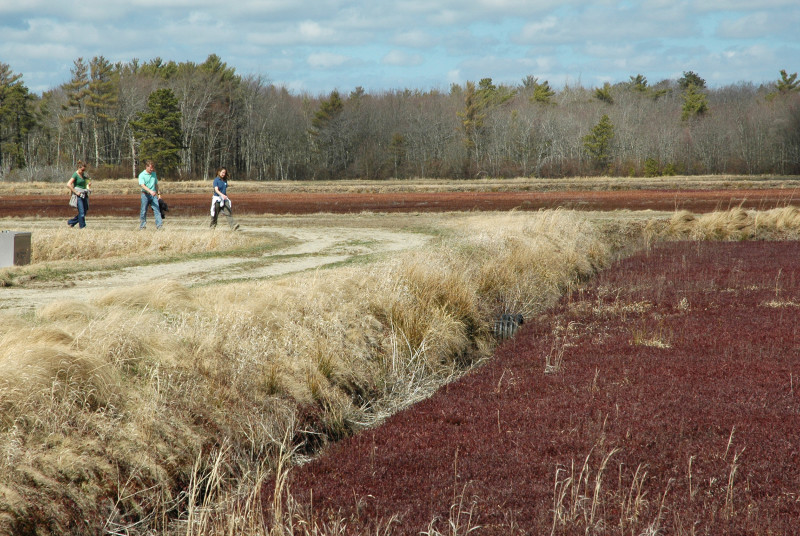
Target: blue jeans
[149,201]
[80,218]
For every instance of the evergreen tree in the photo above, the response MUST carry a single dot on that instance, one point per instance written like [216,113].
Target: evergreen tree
[543,93]
[77,90]
[101,100]
[327,112]
[598,143]
[638,83]
[478,102]
[158,131]
[471,119]
[695,103]
[603,94]
[691,78]
[490,95]
[16,118]
[652,168]
[539,92]
[329,141]
[397,150]
[786,85]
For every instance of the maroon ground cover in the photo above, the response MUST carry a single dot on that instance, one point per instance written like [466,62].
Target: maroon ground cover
[680,371]
[340,203]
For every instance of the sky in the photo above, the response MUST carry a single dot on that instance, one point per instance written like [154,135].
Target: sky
[318,46]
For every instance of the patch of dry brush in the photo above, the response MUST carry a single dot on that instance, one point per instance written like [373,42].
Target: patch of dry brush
[734,224]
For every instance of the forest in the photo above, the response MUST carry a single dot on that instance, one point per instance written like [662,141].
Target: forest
[194,117]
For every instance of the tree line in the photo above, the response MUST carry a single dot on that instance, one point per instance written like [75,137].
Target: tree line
[194,117]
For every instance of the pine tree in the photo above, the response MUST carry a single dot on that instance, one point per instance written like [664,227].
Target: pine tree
[101,99]
[471,119]
[691,78]
[77,90]
[478,102]
[397,150]
[638,83]
[695,103]
[539,92]
[329,141]
[604,94]
[327,112]
[16,118]
[598,143]
[786,85]
[158,131]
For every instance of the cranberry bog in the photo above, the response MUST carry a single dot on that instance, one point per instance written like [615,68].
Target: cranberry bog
[658,398]
[193,204]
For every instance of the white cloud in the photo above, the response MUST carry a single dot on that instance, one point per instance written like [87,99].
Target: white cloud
[535,32]
[309,43]
[742,5]
[400,58]
[762,24]
[311,31]
[327,60]
[414,38]
[454,77]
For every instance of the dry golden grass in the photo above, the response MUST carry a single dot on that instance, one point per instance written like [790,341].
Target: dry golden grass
[64,244]
[703,182]
[734,224]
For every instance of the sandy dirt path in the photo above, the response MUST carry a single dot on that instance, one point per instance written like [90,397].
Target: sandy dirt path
[315,247]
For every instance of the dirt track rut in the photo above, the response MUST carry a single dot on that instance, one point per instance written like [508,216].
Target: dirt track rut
[316,247]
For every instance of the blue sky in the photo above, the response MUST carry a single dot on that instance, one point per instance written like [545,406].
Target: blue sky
[320,45]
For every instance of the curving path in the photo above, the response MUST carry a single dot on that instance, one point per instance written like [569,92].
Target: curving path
[317,247]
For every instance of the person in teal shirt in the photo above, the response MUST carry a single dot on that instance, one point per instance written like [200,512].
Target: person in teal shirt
[148,182]
[79,186]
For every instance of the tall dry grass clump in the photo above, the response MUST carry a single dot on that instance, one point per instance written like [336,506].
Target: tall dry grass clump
[147,392]
[64,244]
[734,224]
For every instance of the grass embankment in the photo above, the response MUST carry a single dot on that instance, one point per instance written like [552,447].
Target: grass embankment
[525,184]
[112,409]
[735,224]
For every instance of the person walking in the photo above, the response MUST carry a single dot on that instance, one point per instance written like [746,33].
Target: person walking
[148,182]
[79,185]
[220,202]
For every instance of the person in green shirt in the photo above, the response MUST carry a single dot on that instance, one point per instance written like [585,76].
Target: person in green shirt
[79,184]
[148,182]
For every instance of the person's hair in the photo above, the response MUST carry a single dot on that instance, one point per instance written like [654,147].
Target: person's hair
[220,171]
[149,163]
[81,164]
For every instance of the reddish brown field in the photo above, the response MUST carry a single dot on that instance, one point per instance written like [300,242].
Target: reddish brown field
[680,370]
[697,201]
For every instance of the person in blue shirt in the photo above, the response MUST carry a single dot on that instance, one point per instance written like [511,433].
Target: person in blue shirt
[220,202]
[148,182]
